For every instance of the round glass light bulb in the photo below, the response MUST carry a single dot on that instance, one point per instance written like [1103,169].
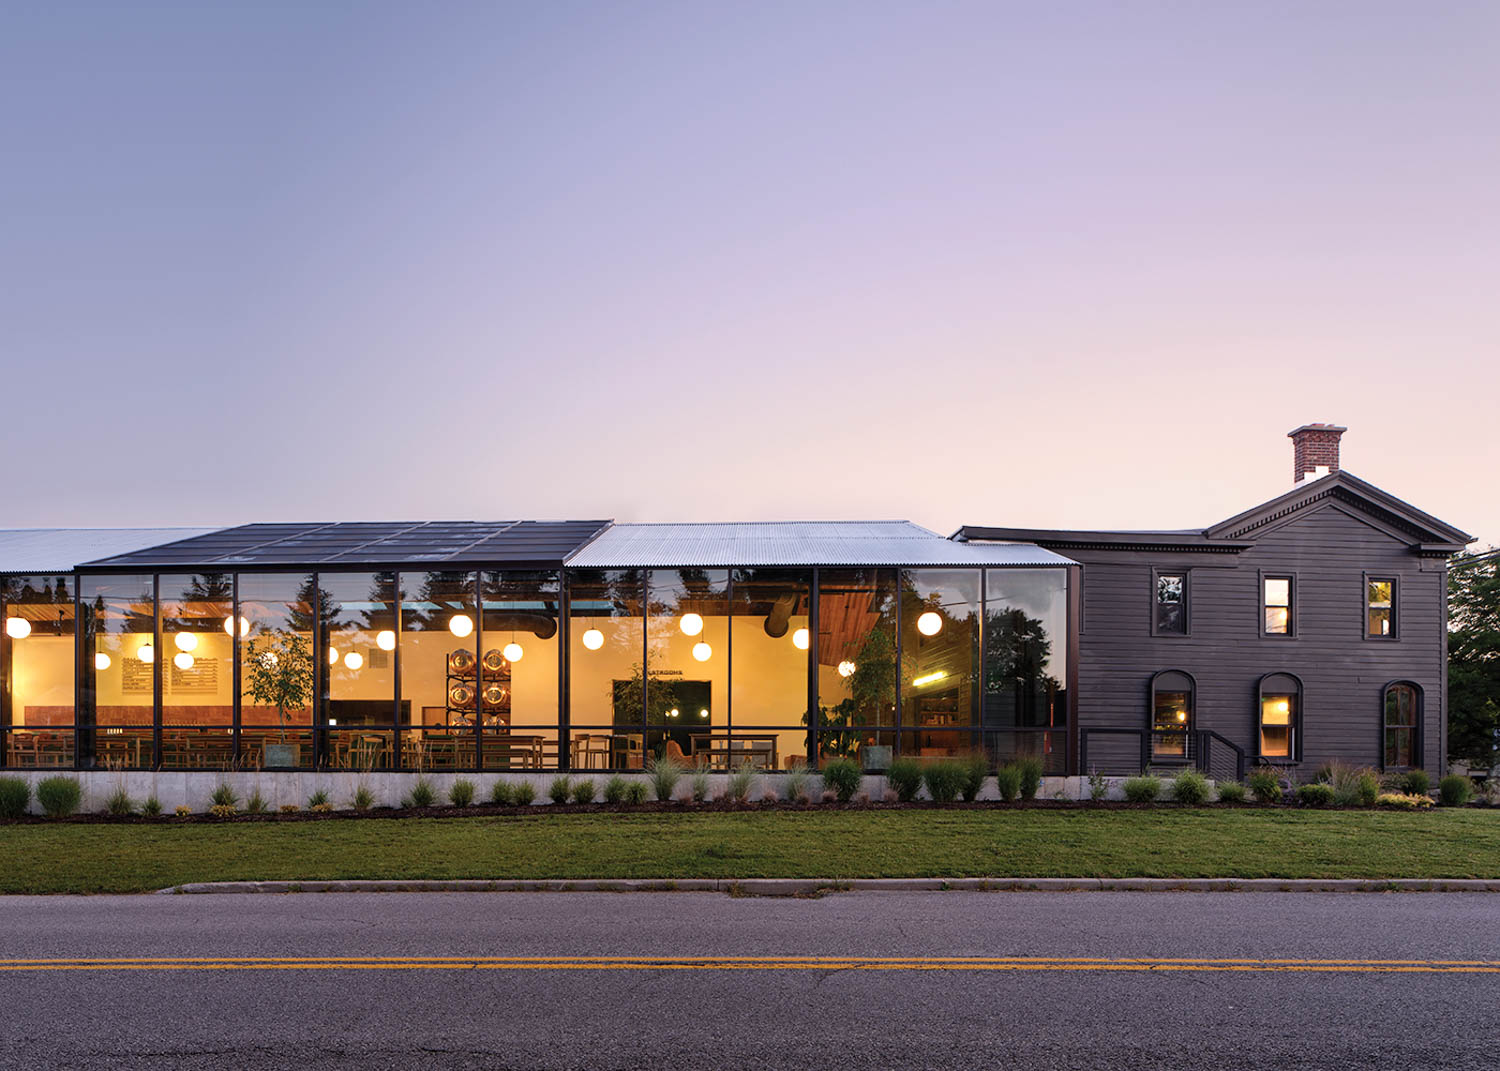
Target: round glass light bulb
[385,639]
[146,654]
[930,623]
[593,639]
[702,651]
[513,652]
[801,639]
[229,626]
[846,669]
[333,656]
[182,660]
[101,661]
[691,624]
[673,713]
[186,641]
[703,712]
[17,628]
[354,660]
[460,625]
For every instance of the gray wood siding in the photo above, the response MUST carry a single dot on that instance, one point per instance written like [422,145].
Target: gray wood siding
[1329,549]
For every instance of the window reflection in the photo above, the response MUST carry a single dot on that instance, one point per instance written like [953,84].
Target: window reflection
[1026,670]
[940,659]
[197,670]
[276,668]
[441,680]
[117,700]
[36,647]
[857,664]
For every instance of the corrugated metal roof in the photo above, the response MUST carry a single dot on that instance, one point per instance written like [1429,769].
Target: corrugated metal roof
[58,550]
[626,546]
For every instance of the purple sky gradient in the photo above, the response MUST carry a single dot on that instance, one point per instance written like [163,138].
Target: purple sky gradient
[1043,264]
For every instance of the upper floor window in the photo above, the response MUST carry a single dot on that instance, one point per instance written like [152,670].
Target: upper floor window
[1280,718]
[1171,611]
[1380,607]
[1276,601]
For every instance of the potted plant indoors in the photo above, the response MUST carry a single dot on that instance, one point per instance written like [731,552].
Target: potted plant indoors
[278,669]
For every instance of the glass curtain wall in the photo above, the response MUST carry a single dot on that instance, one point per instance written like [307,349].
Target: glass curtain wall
[276,647]
[440,673]
[37,670]
[197,671]
[518,684]
[1026,666]
[606,683]
[857,665]
[117,696]
[940,610]
[687,661]
[771,642]
[359,678]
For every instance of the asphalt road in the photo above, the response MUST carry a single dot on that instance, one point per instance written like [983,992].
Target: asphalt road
[513,980]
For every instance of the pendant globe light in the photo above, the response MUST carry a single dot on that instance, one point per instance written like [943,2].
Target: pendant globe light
[930,623]
[691,624]
[702,651]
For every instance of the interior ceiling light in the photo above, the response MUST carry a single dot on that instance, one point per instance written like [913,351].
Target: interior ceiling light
[385,639]
[101,661]
[182,660]
[930,623]
[703,712]
[460,625]
[846,668]
[333,656]
[702,651]
[673,713]
[229,626]
[146,654]
[354,660]
[512,651]
[17,628]
[186,641]
[801,639]
[593,639]
[929,678]
[691,624]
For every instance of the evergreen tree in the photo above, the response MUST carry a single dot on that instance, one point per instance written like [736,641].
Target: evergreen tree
[1474,658]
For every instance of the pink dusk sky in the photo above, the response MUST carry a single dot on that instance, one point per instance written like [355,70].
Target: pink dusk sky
[1060,265]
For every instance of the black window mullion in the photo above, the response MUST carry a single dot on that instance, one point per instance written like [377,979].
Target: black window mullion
[234,669]
[156,672]
[478,668]
[398,741]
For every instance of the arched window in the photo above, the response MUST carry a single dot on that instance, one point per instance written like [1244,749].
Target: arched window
[1278,736]
[1173,697]
[1402,725]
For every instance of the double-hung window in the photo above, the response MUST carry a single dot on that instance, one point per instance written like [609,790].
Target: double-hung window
[1277,596]
[1170,609]
[1380,607]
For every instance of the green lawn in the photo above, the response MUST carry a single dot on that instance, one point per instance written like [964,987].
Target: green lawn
[1021,843]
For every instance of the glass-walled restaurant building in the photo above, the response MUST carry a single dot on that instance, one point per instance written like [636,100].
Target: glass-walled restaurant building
[524,646]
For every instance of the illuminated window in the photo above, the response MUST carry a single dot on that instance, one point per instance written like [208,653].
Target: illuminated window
[1380,607]
[1280,717]
[1276,599]
[1172,701]
[1171,612]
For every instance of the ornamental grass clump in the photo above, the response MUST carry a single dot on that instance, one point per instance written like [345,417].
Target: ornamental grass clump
[523,794]
[1265,785]
[842,778]
[152,807]
[737,787]
[1230,792]
[364,798]
[1355,787]
[59,796]
[224,795]
[1142,789]
[583,792]
[1008,782]
[944,780]
[422,794]
[635,793]
[119,803]
[664,772]
[1098,785]
[1315,794]
[1031,776]
[501,794]
[905,776]
[1455,790]
[256,804]
[15,796]
[976,769]
[1190,787]
[794,782]
[614,789]
[699,785]
[461,792]
[561,790]
[1416,783]
[317,799]
[1401,801]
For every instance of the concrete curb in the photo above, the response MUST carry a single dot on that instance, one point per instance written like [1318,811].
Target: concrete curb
[819,886]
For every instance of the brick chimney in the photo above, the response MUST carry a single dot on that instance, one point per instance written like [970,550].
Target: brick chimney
[1315,450]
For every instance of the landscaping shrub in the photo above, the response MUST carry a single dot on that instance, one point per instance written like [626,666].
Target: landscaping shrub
[663,773]
[700,785]
[768,796]
[614,789]
[256,804]
[635,793]
[523,794]
[323,808]
[1231,792]
[461,792]
[152,807]
[1416,783]
[222,810]
[976,769]
[1031,776]
[905,776]
[1316,794]
[1354,787]
[842,778]
[501,794]
[1008,782]
[224,795]
[1098,785]
[320,797]
[1455,790]
[944,779]
[15,796]
[1265,785]
[583,792]
[1402,802]
[422,794]
[59,796]
[364,799]
[1190,787]
[183,810]
[738,786]
[794,784]
[561,790]
[288,808]
[119,803]
[1142,789]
